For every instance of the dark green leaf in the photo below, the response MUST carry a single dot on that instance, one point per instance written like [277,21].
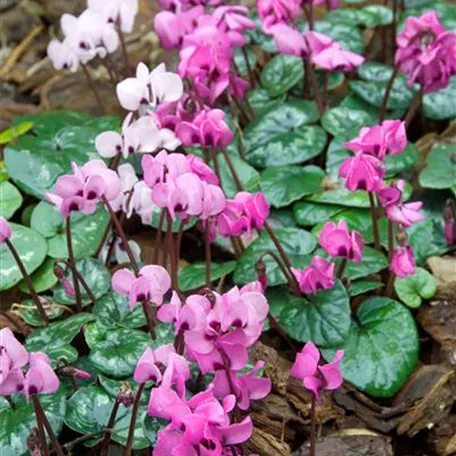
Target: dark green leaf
[31,248]
[349,37]
[377,15]
[307,213]
[95,275]
[241,63]
[43,278]
[345,123]
[29,313]
[375,71]
[297,244]
[412,289]
[113,310]
[95,332]
[382,348]
[373,261]
[349,16]
[440,170]
[440,105]
[193,276]
[261,101]
[284,184]
[359,287]
[17,424]
[335,156]
[10,199]
[281,73]
[405,161]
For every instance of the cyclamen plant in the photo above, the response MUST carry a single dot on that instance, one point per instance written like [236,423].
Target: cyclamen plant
[173,164]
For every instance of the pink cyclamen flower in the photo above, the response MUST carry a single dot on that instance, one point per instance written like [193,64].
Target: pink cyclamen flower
[403,261]
[272,12]
[40,377]
[150,285]
[318,276]
[148,89]
[289,41]
[208,129]
[388,138]
[5,230]
[339,242]
[247,386]
[362,172]
[317,377]
[82,190]
[329,55]
[234,22]
[426,52]
[205,173]
[13,356]
[122,12]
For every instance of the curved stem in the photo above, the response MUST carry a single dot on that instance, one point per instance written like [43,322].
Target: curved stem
[288,274]
[341,269]
[414,105]
[93,88]
[134,416]
[123,47]
[375,231]
[207,252]
[104,238]
[276,325]
[388,89]
[158,237]
[313,82]
[312,427]
[41,435]
[81,280]
[390,239]
[249,68]
[77,291]
[27,280]
[110,425]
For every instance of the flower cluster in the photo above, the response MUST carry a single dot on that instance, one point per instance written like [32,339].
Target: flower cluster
[426,52]
[94,33]
[39,377]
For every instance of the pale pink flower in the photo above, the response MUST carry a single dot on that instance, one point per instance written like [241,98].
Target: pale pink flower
[316,277]
[40,377]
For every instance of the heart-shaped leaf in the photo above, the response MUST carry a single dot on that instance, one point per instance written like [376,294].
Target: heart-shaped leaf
[345,123]
[373,261]
[28,312]
[281,73]
[281,136]
[43,278]
[31,248]
[10,199]
[359,287]
[113,310]
[95,332]
[375,71]
[261,101]
[307,213]
[297,244]
[440,105]
[88,411]
[95,275]
[412,289]
[118,354]
[382,347]
[17,424]
[284,184]
[323,318]
[57,334]
[440,170]
[193,276]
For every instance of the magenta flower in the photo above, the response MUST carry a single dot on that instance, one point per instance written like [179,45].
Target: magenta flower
[148,89]
[247,386]
[40,377]
[272,12]
[403,261]
[13,356]
[318,276]
[5,230]
[289,41]
[426,52]
[204,172]
[151,285]
[208,129]
[362,172]
[155,168]
[317,377]
[234,22]
[388,138]
[339,242]
[82,190]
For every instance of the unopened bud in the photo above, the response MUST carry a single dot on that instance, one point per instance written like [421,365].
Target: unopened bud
[449,225]
[63,279]
[71,371]
[126,395]
[401,237]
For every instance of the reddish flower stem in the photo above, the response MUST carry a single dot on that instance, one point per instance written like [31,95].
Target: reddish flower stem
[93,89]
[388,89]
[207,252]
[158,238]
[134,416]
[107,438]
[77,290]
[312,427]
[375,230]
[41,435]
[414,106]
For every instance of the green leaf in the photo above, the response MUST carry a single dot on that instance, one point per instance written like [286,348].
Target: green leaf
[95,332]
[440,170]
[31,248]
[281,136]
[46,219]
[440,105]
[10,134]
[67,353]
[95,275]
[281,73]
[323,318]
[377,15]
[349,37]
[248,175]
[373,92]
[421,238]
[17,424]
[297,244]
[349,16]
[29,313]
[193,276]
[43,278]
[335,155]
[382,347]
[284,184]
[406,161]
[375,71]
[373,261]
[359,287]
[88,411]
[307,213]
[10,199]
[345,123]
[118,354]
[59,334]
[151,427]
[240,62]
[412,289]
[113,310]
[261,101]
